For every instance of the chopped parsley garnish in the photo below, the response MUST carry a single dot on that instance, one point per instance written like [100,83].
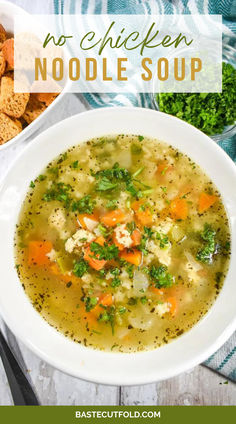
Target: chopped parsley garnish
[120,179]
[208,235]
[54,171]
[84,205]
[140,138]
[108,316]
[62,157]
[105,252]
[115,271]
[75,164]
[111,204]
[210,112]
[148,233]
[103,230]
[143,300]
[32,185]
[42,177]
[90,303]
[132,301]
[130,270]
[80,268]
[163,239]
[122,310]
[131,226]
[160,276]
[60,192]
[115,282]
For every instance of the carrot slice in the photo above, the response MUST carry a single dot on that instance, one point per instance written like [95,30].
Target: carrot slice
[160,292]
[133,257]
[110,219]
[206,201]
[173,305]
[82,220]
[100,240]
[106,299]
[136,237]
[179,208]
[38,250]
[163,167]
[93,261]
[8,52]
[143,214]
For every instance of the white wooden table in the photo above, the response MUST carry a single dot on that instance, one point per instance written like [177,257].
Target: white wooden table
[199,386]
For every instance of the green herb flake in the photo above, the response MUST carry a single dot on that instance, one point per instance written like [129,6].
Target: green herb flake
[75,164]
[80,268]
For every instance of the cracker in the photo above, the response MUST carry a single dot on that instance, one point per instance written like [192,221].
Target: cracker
[3,35]
[8,128]
[33,109]
[8,52]
[46,98]
[2,64]
[13,104]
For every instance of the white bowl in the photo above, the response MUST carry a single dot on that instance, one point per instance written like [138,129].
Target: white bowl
[7,12]
[181,354]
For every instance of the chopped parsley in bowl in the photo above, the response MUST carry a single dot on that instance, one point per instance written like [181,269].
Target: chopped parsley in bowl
[212,113]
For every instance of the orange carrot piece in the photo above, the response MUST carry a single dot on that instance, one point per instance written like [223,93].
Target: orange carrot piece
[100,240]
[133,257]
[143,215]
[110,219]
[206,201]
[38,252]
[173,305]
[136,237]
[106,299]
[80,219]
[160,292]
[8,52]
[163,167]
[93,261]
[179,208]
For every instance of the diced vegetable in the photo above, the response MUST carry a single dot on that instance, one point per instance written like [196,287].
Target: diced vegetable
[105,299]
[142,212]
[110,219]
[136,237]
[87,221]
[179,208]
[133,257]
[93,260]
[206,201]
[163,168]
[140,282]
[173,305]
[38,251]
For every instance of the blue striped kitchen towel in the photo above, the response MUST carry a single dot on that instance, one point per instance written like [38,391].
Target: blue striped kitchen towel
[224,360]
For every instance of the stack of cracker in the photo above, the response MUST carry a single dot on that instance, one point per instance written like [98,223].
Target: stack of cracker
[17,110]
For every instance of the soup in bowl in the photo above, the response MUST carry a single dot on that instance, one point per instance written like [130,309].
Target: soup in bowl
[122,243]
[118,246]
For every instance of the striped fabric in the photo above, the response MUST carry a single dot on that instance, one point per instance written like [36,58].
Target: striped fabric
[224,360]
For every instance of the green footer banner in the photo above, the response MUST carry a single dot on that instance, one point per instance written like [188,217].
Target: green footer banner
[122,414]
